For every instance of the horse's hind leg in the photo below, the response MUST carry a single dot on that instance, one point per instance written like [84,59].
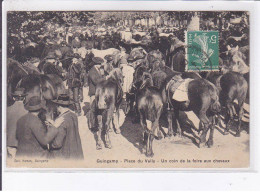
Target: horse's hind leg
[240,116]
[155,127]
[230,112]
[116,121]
[176,114]
[205,122]
[210,140]
[149,151]
[170,127]
[144,127]
[100,125]
[108,121]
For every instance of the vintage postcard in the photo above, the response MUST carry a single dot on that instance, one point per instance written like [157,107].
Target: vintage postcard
[127,89]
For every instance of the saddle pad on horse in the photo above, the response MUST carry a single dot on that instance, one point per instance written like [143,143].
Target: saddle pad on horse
[181,93]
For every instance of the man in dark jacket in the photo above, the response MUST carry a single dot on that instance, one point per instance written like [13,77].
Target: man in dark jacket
[14,112]
[33,138]
[67,143]
[74,82]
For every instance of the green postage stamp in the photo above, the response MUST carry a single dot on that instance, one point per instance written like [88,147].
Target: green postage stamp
[202,52]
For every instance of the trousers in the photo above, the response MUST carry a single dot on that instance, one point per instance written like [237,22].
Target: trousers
[74,94]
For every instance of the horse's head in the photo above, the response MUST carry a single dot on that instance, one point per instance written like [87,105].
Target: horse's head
[156,65]
[138,75]
[236,61]
[154,55]
[117,75]
[137,53]
[147,80]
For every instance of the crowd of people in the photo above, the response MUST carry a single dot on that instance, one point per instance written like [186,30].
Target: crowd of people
[66,53]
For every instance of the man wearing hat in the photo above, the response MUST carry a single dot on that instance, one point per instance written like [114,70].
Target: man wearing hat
[96,74]
[109,66]
[14,112]
[67,143]
[76,42]
[74,81]
[33,137]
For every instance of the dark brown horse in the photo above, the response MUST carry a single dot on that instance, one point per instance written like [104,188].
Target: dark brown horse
[202,100]
[149,105]
[15,72]
[108,97]
[232,86]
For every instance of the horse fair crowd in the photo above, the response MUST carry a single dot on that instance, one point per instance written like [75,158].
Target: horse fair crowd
[124,69]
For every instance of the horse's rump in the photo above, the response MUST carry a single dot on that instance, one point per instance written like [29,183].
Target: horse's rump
[150,103]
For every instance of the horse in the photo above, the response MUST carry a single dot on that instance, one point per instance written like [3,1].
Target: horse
[49,68]
[235,62]
[202,100]
[15,72]
[108,97]
[176,60]
[232,86]
[149,105]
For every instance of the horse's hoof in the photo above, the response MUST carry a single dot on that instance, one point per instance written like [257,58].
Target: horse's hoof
[179,135]
[169,135]
[150,155]
[237,135]
[99,146]
[110,130]
[118,131]
[209,144]
[226,132]
[202,140]
[108,145]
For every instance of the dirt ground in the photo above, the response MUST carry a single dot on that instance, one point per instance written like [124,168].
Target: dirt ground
[174,152]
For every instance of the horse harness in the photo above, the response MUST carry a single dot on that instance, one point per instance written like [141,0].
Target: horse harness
[172,86]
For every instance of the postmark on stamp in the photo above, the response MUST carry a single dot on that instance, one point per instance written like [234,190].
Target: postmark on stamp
[202,51]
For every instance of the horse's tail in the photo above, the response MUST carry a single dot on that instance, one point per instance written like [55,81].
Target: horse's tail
[214,95]
[150,108]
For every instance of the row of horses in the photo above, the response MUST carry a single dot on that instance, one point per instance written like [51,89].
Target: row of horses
[208,93]
[208,97]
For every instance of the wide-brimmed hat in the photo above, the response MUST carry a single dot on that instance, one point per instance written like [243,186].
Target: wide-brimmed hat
[50,55]
[97,60]
[35,103]
[76,55]
[19,92]
[134,58]
[109,57]
[63,99]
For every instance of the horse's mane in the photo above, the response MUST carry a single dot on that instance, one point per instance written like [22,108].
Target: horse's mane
[115,74]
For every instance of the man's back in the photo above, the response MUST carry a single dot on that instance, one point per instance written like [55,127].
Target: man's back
[14,112]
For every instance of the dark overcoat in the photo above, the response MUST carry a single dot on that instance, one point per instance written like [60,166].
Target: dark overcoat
[67,143]
[94,77]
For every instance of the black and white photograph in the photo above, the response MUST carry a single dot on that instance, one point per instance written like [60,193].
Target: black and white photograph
[127,89]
